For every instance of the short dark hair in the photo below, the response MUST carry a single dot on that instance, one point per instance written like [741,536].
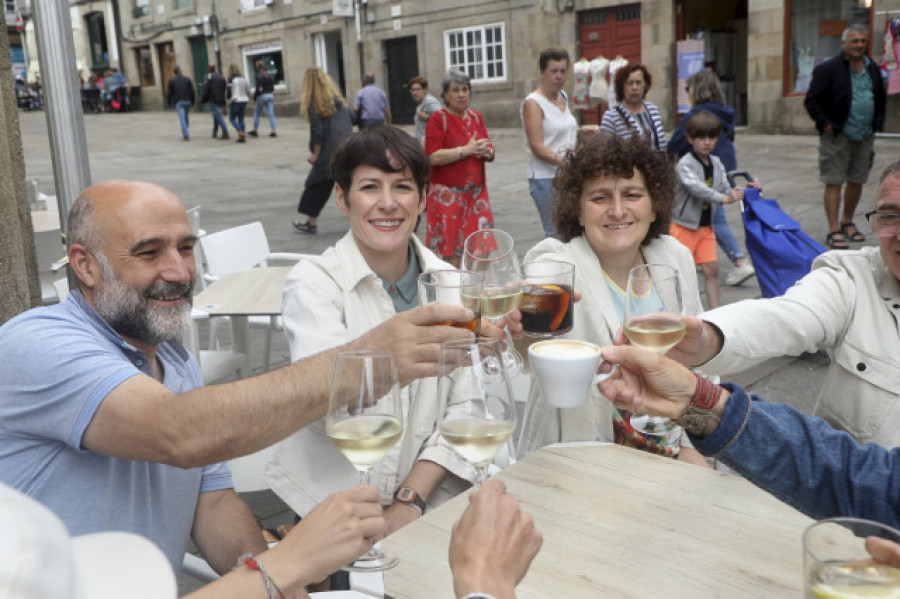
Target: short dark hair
[554,53]
[421,81]
[704,124]
[608,155]
[625,72]
[371,147]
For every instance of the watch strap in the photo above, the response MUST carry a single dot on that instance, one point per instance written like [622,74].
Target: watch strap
[411,497]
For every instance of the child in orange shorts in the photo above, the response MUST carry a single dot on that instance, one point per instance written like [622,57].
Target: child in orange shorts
[701,182]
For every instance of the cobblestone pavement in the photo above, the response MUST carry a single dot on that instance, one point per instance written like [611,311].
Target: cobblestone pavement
[262,179]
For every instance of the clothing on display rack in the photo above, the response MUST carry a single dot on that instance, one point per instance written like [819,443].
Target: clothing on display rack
[615,64]
[581,70]
[599,90]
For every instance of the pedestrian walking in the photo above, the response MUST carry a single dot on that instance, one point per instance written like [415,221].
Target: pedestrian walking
[426,104]
[329,121]
[846,99]
[214,91]
[371,104]
[180,95]
[264,96]
[634,115]
[550,130]
[239,91]
[704,93]
[457,145]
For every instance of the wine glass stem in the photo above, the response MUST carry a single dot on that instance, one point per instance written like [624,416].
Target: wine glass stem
[482,475]
[365,478]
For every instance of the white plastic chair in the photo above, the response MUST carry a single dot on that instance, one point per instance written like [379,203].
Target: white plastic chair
[242,248]
[49,248]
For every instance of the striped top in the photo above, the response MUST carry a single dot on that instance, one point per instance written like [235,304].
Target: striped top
[622,123]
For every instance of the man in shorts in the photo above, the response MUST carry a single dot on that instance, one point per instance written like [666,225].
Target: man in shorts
[846,99]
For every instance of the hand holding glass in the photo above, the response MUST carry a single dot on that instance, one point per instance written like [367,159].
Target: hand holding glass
[653,320]
[455,288]
[364,422]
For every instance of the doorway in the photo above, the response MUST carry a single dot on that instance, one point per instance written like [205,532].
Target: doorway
[166,53]
[608,32]
[402,64]
[330,57]
[200,57]
[723,28]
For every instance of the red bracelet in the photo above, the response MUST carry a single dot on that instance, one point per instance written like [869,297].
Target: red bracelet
[254,564]
[706,394]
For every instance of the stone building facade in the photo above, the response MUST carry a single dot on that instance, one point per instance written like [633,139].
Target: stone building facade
[763,50]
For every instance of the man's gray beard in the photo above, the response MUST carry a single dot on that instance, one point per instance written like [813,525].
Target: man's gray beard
[128,310]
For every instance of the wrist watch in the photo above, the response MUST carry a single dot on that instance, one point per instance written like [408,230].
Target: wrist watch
[411,497]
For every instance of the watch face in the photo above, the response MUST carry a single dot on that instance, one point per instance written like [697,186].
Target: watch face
[406,494]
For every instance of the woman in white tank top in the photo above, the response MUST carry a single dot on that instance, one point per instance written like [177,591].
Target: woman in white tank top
[550,130]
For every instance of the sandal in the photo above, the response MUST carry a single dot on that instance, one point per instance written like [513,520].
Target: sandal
[836,240]
[856,235]
[306,227]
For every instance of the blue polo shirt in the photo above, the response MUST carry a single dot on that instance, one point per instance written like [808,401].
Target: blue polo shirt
[862,104]
[57,365]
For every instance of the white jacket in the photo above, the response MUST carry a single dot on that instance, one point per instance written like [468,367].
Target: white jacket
[328,301]
[848,305]
[597,321]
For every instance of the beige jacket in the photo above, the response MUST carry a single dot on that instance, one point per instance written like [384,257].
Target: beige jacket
[849,305]
[329,301]
[597,321]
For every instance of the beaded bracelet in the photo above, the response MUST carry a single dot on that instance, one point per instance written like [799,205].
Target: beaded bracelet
[700,408]
[254,564]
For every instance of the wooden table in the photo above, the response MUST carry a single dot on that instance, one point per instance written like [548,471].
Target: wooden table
[252,292]
[256,291]
[623,523]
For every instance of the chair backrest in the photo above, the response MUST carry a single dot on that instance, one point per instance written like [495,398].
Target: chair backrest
[247,471]
[49,248]
[235,249]
[193,215]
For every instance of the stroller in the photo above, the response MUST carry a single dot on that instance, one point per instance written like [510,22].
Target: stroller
[781,252]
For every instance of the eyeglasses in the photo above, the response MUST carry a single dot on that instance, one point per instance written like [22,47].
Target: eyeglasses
[884,224]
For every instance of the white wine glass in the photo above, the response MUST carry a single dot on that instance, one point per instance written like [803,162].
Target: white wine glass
[455,288]
[492,253]
[653,320]
[365,421]
[476,414]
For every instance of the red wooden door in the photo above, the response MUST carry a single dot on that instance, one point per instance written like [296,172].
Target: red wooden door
[609,32]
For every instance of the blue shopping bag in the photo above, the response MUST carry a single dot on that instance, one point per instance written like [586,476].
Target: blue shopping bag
[781,252]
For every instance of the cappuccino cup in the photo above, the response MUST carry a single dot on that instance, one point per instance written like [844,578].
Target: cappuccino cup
[565,370]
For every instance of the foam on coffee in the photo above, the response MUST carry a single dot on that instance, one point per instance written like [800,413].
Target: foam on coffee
[564,348]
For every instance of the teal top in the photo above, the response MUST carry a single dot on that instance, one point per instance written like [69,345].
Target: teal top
[862,105]
[405,292]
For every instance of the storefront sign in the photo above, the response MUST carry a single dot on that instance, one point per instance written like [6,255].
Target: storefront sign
[342,8]
[690,60]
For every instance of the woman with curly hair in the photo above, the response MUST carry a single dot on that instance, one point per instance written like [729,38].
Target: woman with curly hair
[634,116]
[329,121]
[614,199]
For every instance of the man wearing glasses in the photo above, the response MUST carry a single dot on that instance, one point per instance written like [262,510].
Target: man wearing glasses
[849,305]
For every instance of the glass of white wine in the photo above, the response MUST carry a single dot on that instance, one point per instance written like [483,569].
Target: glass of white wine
[365,421]
[492,253]
[653,320]
[476,414]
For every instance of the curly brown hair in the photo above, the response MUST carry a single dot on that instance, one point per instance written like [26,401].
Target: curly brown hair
[624,73]
[607,155]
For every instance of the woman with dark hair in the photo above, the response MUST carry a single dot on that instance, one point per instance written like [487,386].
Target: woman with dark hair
[367,277]
[457,145]
[550,130]
[633,116]
[614,199]
[704,94]
[329,121]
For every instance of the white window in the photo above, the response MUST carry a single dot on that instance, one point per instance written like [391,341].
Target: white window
[141,9]
[251,5]
[183,4]
[10,9]
[480,52]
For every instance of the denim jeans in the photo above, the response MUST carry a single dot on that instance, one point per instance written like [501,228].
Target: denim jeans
[218,121]
[724,236]
[183,107]
[268,101]
[542,193]
[236,115]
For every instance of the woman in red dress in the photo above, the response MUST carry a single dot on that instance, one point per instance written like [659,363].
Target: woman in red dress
[457,145]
